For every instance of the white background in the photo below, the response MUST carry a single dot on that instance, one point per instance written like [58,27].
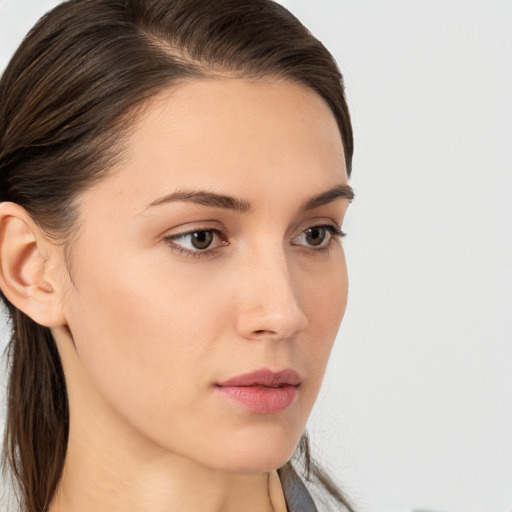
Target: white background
[416,411]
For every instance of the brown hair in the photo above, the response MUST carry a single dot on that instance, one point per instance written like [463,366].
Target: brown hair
[67,99]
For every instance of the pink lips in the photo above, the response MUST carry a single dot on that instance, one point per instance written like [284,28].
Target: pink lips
[262,391]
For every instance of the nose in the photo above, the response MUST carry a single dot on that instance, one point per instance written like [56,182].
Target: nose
[268,306]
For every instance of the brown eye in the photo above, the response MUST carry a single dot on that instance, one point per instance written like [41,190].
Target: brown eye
[316,236]
[201,239]
[197,242]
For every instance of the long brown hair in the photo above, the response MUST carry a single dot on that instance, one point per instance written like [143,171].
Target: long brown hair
[67,99]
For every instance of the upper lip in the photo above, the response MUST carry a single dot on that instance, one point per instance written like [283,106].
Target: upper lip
[264,377]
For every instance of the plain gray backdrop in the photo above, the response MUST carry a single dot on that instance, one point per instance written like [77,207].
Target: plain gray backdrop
[416,410]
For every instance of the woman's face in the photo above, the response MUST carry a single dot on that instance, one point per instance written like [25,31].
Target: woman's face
[211,252]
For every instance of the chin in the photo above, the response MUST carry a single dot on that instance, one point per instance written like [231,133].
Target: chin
[264,463]
[257,454]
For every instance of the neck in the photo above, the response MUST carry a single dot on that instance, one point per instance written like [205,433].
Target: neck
[122,474]
[111,466]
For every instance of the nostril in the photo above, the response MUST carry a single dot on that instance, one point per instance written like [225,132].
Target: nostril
[262,331]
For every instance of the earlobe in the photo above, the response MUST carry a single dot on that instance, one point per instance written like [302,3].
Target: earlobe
[24,258]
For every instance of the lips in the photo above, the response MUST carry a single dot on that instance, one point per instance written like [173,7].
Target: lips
[262,391]
[265,378]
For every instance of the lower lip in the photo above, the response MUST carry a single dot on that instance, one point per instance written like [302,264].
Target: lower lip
[260,399]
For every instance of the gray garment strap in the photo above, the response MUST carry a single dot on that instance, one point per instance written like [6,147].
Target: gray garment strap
[297,496]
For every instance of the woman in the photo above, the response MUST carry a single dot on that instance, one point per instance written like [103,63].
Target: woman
[173,182]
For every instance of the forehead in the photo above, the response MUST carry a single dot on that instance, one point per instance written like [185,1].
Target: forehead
[231,136]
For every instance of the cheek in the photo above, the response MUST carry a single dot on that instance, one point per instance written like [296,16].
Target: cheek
[324,299]
[141,340]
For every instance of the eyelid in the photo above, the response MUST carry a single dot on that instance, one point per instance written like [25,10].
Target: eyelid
[192,227]
[188,233]
[317,222]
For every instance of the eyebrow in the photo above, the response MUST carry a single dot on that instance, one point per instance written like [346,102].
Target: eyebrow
[214,200]
[338,192]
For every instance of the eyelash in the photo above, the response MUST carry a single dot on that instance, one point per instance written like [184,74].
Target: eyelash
[334,232]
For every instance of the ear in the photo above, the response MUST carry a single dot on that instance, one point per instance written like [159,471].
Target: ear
[25,254]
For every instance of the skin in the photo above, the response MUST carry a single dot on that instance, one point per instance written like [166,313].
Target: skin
[146,330]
